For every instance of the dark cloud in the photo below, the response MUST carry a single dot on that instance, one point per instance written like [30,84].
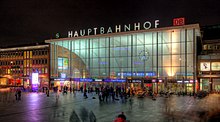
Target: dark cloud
[36,20]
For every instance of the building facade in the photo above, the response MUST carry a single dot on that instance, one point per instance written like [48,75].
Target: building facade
[157,59]
[209,66]
[17,65]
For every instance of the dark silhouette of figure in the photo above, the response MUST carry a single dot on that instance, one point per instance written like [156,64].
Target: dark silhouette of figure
[19,94]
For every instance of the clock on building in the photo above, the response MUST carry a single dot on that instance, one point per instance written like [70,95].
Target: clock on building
[143,55]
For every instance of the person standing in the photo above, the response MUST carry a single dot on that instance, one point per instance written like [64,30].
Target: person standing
[70,89]
[16,95]
[57,96]
[74,91]
[19,94]
[130,103]
[81,89]
[47,92]
[85,95]
[100,96]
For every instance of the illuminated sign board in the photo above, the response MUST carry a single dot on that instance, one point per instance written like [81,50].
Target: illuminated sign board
[59,79]
[140,74]
[118,28]
[216,66]
[99,80]
[114,80]
[136,81]
[35,77]
[205,66]
[178,21]
[85,80]
[63,75]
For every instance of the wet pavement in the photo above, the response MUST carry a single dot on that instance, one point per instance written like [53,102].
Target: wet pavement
[37,107]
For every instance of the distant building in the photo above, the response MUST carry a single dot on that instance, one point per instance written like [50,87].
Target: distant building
[209,59]
[18,63]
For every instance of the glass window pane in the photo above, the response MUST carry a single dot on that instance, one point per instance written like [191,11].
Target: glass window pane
[167,60]
[175,60]
[102,42]
[148,38]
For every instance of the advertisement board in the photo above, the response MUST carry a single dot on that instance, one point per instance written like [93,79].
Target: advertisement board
[35,77]
[205,66]
[63,63]
[216,66]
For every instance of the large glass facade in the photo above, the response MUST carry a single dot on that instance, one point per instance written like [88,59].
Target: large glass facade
[166,53]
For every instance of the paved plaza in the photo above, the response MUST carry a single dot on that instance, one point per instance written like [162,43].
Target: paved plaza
[37,107]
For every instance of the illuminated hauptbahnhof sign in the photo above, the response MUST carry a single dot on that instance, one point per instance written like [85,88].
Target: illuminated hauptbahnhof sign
[118,28]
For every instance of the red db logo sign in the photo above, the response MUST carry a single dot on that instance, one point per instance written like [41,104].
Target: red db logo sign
[178,21]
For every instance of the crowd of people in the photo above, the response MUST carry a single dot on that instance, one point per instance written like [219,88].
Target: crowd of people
[106,93]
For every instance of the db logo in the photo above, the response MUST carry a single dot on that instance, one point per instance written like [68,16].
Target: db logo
[178,21]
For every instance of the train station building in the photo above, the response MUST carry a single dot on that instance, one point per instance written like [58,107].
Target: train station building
[127,56]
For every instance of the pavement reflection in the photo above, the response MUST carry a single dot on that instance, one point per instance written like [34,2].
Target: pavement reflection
[74,108]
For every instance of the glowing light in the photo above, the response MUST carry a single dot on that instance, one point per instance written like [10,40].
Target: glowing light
[170,72]
[186,81]
[35,78]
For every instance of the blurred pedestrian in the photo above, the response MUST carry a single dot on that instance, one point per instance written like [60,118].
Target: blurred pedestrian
[57,96]
[113,96]
[121,118]
[47,92]
[100,96]
[130,103]
[19,94]
[70,89]
[16,95]
[74,91]
[85,95]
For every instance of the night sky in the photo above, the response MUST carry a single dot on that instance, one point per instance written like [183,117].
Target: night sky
[32,21]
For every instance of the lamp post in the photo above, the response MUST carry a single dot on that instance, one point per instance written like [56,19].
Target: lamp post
[11,71]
